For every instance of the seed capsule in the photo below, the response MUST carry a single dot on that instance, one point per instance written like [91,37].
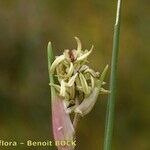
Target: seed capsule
[92,82]
[56,62]
[79,46]
[72,91]
[91,71]
[71,69]
[72,80]
[84,56]
[62,89]
[84,84]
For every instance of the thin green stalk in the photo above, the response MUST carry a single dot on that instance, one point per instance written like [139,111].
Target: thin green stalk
[50,60]
[113,79]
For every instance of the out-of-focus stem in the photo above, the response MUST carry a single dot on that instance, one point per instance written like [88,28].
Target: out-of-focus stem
[112,96]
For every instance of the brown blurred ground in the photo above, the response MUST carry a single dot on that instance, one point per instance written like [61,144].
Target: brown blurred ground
[25,29]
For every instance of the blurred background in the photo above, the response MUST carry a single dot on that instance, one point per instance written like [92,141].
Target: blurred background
[25,29]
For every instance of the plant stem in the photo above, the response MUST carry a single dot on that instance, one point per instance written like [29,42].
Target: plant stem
[113,75]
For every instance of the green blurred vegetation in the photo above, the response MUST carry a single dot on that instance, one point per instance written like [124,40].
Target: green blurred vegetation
[25,29]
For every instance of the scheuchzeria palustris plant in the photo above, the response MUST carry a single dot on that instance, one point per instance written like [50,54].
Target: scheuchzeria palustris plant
[75,91]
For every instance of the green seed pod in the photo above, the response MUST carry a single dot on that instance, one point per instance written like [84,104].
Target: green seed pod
[84,56]
[79,46]
[70,71]
[56,62]
[92,82]
[72,91]
[72,80]
[92,72]
[84,84]
[62,89]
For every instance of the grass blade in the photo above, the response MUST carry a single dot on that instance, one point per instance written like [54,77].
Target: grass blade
[113,75]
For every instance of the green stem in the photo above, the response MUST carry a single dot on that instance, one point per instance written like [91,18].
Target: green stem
[113,75]
[50,60]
